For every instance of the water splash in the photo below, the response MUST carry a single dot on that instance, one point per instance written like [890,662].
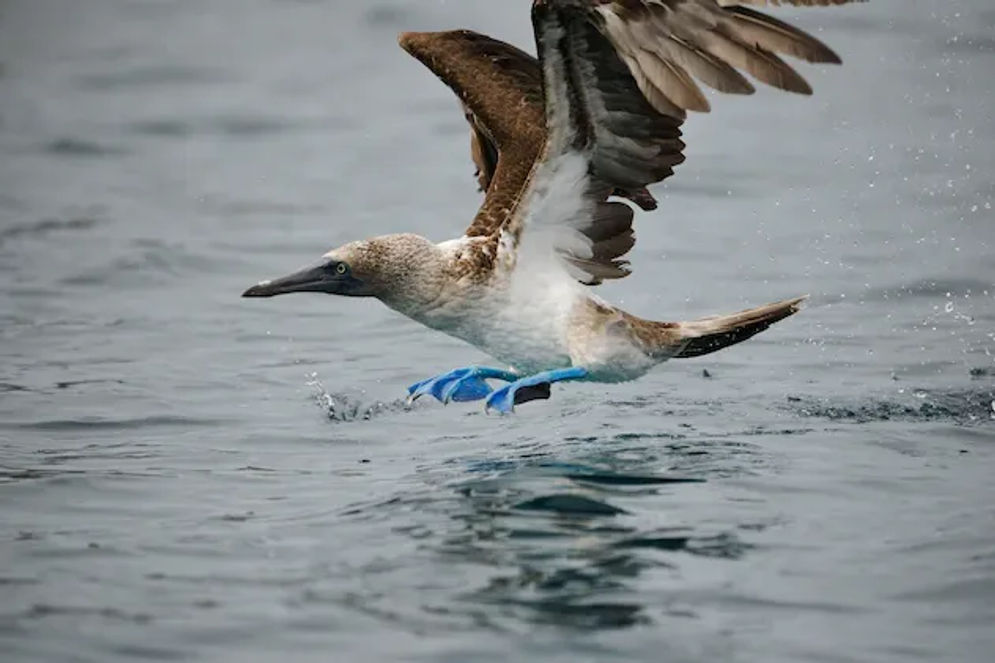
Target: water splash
[342,408]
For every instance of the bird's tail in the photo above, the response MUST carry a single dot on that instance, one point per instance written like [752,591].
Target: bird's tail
[719,331]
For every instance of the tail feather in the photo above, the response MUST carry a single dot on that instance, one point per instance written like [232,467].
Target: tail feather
[707,335]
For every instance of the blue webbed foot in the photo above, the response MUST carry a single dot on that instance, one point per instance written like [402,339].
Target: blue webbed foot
[462,384]
[530,388]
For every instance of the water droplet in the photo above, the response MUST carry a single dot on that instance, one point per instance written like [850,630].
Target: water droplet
[949,308]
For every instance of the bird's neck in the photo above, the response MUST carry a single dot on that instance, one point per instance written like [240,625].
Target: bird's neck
[414,282]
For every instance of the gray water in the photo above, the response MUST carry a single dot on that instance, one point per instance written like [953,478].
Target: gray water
[186,475]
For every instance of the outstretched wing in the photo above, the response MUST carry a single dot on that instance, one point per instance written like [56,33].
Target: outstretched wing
[485,153]
[618,79]
[612,86]
[500,88]
[501,91]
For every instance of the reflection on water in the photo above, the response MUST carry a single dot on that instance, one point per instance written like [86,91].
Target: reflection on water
[561,548]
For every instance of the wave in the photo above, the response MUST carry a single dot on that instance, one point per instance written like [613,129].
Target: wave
[962,406]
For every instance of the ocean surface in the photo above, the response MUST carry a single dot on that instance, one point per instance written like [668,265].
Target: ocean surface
[187,475]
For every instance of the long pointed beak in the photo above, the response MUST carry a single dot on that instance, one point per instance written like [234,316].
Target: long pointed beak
[315,278]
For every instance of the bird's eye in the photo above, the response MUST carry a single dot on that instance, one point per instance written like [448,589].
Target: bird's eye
[341,268]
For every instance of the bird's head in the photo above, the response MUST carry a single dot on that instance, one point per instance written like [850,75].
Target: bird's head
[393,268]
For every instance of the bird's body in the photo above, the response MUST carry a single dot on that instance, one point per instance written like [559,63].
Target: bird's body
[557,141]
[536,329]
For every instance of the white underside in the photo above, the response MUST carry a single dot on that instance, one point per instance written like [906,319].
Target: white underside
[530,315]
[533,329]
[526,328]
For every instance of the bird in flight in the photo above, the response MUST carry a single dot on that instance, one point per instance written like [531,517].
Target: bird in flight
[559,141]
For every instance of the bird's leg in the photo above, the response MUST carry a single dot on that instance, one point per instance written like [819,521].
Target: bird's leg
[462,384]
[530,388]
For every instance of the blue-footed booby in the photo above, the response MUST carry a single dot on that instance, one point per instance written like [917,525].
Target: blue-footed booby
[557,141]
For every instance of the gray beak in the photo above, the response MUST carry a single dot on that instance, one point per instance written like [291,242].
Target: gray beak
[316,278]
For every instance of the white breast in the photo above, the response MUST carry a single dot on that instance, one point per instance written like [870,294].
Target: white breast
[524,327]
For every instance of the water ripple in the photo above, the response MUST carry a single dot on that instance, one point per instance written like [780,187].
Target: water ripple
[80,147]
[958,406]
[152,76]
[96,423]
[46,226]
[569,557]
[569,505]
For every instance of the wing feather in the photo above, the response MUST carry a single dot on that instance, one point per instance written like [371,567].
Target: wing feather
[612,85]
[500,88]
[756,28]
[489,77]
[619,77]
